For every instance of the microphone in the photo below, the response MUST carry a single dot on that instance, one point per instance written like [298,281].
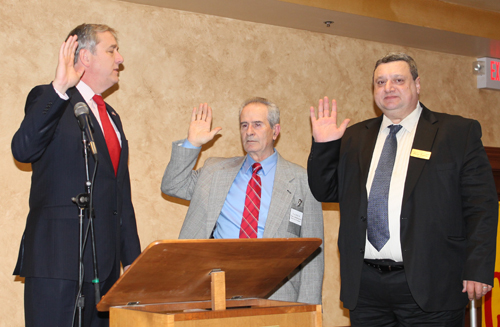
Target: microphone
[82,115]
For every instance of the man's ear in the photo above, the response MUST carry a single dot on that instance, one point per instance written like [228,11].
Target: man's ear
[417,84]
[276,131]
[84,57]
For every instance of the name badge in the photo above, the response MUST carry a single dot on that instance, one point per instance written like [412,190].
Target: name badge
[296,217]
[421,154]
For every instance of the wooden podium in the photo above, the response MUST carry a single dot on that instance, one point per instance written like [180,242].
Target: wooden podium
[211,283]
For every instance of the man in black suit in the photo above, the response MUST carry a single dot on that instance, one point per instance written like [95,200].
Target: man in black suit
[51,140]
[417,235]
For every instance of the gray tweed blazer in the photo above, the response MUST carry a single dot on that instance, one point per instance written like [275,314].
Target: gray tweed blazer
[207,189]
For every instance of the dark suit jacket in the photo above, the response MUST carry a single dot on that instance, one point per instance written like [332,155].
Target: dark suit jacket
[449,212]
[50,139]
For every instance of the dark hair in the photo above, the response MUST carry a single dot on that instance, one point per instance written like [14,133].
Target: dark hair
[399,57]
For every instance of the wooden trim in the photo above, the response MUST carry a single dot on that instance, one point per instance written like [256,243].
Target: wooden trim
[439,15]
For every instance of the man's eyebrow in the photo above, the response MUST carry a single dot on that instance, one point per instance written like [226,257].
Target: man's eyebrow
[390,76]
[253,121]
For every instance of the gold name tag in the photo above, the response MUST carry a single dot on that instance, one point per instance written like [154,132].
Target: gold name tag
[421,154]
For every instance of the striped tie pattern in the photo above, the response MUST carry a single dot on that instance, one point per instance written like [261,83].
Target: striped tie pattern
[250,220]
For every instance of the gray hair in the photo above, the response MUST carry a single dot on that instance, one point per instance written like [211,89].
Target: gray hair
[273,112]
[399,57]
[87,36]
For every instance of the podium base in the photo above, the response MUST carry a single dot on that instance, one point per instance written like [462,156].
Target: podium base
[245,312]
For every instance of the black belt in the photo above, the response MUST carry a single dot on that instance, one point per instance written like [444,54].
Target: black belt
[385,265]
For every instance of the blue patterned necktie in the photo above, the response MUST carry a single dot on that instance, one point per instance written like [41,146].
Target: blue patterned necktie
[378,217]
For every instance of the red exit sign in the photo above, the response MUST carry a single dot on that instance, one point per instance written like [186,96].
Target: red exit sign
[489,78]
[495,70]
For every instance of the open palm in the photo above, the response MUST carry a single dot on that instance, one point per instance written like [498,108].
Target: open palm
[199,129]
[324,127]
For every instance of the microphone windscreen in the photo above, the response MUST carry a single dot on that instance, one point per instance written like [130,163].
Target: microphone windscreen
[81,108]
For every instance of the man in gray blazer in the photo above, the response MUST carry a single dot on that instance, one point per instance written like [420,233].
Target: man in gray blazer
[219,192]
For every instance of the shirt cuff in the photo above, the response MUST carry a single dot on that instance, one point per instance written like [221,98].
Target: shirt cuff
[188,145]
[62,96]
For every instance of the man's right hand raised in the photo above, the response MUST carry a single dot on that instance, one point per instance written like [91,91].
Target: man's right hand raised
[66,75]
[324,128]
[199,129]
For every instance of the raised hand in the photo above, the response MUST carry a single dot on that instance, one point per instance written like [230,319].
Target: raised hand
[199,129]
[66,75]
[324,128]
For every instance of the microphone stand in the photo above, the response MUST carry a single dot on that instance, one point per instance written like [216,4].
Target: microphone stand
[84,201]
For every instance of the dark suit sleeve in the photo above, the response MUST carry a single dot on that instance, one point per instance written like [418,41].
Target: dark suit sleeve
[480,209]
[44,108]
[322,170]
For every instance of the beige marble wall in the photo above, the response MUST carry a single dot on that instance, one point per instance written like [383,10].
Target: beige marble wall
[175,60]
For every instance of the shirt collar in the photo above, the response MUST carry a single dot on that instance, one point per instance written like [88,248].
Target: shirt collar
[85,91]
[267,164]
[409,122]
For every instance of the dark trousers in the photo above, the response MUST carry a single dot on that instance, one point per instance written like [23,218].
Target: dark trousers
[51,303]
[385,300]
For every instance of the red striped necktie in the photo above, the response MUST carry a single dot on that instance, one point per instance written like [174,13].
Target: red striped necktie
[112,142]
[250,221]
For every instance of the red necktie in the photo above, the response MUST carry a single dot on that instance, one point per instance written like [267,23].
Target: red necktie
[114,147]
[250,221]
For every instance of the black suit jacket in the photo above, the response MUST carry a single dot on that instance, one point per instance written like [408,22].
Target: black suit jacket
[50,139]
[449,212]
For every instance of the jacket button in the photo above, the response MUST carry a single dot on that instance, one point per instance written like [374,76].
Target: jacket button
[363,218]
[361,250]
[115,212]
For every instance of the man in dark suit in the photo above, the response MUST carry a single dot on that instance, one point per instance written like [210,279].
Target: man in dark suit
[417,235]
[51,140]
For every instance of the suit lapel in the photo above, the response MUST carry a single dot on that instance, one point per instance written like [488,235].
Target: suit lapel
[283,191]
[221,183]
[366,151]
[424,139]
[124,151]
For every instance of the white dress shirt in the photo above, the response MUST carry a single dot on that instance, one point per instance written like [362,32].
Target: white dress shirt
[392,249]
